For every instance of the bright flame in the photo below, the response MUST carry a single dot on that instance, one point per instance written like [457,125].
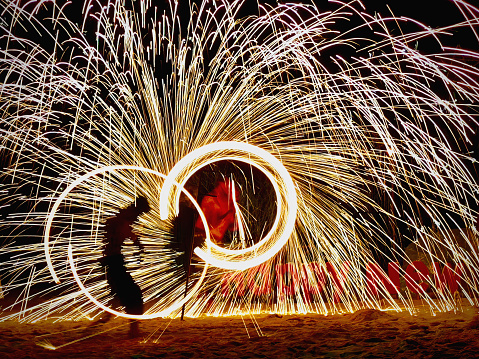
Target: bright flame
[51,215]
[364,134]
[267,247]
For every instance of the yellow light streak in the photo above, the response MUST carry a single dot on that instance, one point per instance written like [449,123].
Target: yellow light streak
[267,247]
[373,143]
[51,215]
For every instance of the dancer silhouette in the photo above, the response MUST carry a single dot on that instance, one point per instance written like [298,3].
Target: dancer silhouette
[122,286]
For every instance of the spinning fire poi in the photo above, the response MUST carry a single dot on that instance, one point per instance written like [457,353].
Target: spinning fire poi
[339,163]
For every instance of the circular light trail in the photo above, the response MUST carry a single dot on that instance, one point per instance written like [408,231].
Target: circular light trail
[378,155]
[286,202]
[51,216]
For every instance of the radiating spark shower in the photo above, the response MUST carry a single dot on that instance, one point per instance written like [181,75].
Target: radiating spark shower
[347,138]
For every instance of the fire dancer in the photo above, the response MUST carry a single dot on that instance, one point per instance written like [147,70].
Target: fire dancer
[122,286]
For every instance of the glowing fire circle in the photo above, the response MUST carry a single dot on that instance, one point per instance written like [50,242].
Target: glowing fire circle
[51,215]
[283,185]
[173,185]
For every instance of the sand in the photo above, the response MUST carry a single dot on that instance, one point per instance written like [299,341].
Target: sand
[364,334]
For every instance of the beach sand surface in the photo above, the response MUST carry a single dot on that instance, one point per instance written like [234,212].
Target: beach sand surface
[366,333]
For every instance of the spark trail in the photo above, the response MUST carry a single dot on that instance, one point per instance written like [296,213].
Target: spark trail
[372,131]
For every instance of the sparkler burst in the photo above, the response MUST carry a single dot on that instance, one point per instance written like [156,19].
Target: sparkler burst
[348,151]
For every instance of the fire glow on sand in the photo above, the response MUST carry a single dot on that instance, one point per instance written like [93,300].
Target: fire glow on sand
[347,136]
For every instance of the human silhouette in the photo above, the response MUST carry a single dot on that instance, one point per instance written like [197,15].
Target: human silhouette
[219,210]
[122,286]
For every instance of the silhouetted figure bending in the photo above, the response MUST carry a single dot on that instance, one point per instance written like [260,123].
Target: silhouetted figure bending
[122,286]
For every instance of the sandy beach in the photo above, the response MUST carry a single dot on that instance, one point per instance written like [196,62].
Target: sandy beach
[364,334]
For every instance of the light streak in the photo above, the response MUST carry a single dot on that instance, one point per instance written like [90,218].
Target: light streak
[45,343]
[64,194]
[361,132]
[236,259]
